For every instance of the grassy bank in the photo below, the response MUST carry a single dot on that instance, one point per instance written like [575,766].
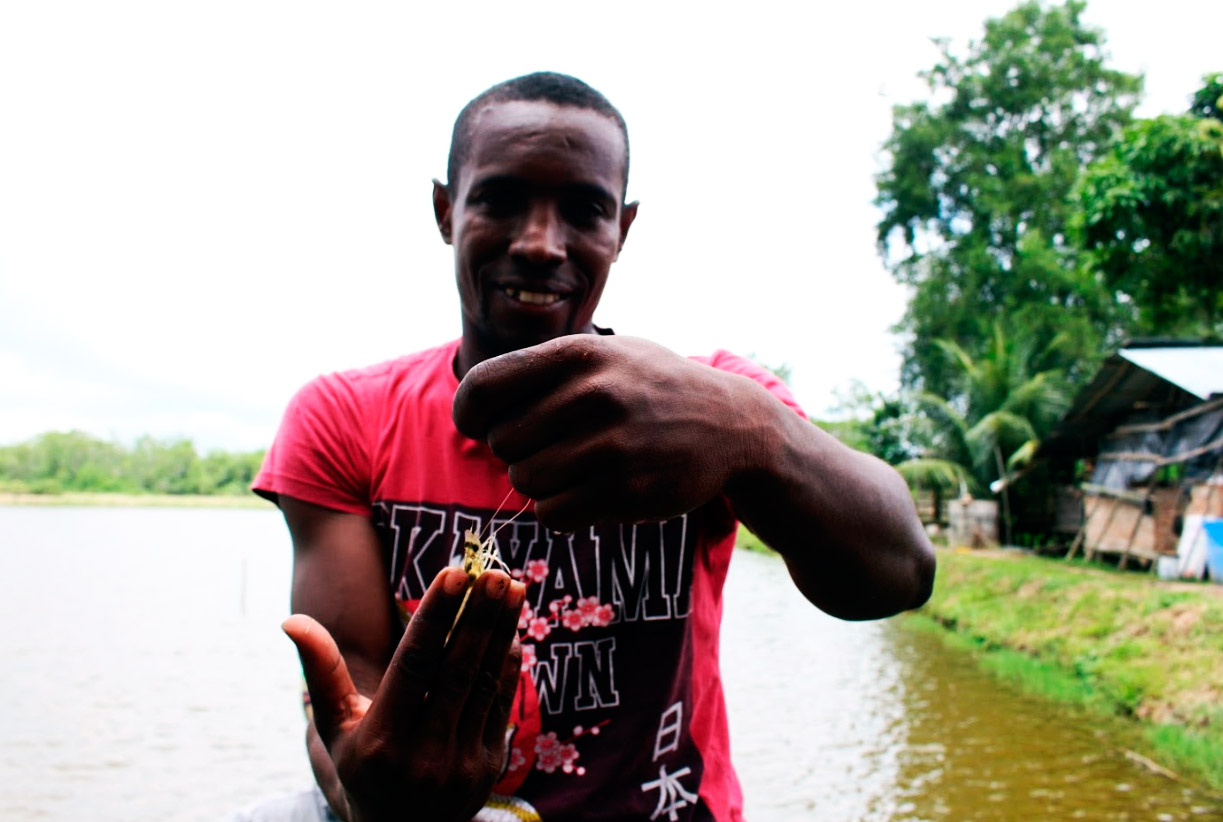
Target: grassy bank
[135,500]
[1111,642]
[750,542]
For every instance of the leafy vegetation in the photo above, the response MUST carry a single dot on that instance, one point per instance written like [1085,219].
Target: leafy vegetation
[1039,227]
[1152,218]
[976,193]
[61,462]
[1106,640]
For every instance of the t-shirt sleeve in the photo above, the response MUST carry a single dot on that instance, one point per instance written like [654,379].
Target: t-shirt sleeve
[726,361]
[320,454]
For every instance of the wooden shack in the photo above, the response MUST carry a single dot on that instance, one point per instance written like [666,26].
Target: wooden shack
[1149,427]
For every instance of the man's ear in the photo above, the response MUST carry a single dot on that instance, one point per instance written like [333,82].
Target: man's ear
[627,215]
[441,209]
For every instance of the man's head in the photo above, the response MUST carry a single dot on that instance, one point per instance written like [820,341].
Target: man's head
[544,87]
[535,211]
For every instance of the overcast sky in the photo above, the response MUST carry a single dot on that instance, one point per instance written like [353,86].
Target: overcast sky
[204,205]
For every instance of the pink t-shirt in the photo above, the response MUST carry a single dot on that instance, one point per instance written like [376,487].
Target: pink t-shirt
[619,712]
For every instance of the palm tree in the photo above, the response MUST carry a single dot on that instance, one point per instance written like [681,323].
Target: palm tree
[994,421]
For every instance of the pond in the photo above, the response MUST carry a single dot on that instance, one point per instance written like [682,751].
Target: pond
[146,678]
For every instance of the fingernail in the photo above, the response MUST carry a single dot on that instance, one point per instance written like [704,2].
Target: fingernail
[496,586]
[284,626]
[454,582]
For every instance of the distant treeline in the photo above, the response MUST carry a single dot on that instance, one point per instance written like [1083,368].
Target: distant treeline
[58,462]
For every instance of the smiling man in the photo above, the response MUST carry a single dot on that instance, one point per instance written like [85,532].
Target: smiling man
[583,683]
[560,172]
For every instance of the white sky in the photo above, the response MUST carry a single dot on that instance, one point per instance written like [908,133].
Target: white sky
[203,205]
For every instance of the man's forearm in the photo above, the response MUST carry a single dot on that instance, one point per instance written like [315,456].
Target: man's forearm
[843,521]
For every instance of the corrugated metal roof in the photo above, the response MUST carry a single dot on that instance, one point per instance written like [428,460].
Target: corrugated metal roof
[1157,379]
[1197,370]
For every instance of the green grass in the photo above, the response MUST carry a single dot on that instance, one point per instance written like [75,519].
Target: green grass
[1029,674]
[1111,642]
[1187,750]
[750,542]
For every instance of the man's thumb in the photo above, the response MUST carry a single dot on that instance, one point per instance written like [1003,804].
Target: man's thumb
[331,689]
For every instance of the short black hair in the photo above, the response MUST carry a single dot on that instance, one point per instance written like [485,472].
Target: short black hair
[545,86]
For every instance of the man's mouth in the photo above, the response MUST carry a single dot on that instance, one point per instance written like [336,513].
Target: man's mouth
[532,297]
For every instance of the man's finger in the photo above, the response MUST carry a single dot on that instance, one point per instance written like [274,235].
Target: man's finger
[459,669]
[498,385]
[414,666]
[489,681]
[332,693]
[497,717]
[576,508]
[575,411]
[564,466]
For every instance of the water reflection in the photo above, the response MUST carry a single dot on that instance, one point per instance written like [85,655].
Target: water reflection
[978,750]
[817,706]
[135,684]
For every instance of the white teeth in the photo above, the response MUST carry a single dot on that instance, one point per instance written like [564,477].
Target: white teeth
[532,297]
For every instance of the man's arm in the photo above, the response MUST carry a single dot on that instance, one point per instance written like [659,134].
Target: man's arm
[377,746]
[339,580]
[843,520]
[616,428]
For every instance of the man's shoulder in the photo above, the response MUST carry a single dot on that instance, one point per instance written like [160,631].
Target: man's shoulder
[369,385]
[724,360]
[437,359]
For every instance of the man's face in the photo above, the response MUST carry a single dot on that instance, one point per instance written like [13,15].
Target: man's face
[536,220]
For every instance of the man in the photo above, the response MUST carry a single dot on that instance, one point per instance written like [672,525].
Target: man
[629,466]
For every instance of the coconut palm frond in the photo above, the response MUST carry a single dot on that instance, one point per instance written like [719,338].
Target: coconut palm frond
[962,357]
[993,431]
[1023,455]
[943,411]
[1041,397]
[927,472]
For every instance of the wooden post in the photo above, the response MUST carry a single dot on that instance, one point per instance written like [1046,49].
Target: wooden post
[1081,536]
[1142,508]
[1112,514]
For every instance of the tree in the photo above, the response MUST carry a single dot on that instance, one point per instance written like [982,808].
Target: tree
[64,461]
[1002,407]
[55,462]
[1152,218]
[885,425]
[975,193]
[1208,100]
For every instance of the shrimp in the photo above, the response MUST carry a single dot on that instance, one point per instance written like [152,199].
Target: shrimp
[480,556]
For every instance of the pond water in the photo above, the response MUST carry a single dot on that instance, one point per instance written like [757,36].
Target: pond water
[146,678]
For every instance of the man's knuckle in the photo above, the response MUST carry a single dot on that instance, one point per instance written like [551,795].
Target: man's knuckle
[485,686]
[514,659]
[523,480]
[498,439]
[412,666]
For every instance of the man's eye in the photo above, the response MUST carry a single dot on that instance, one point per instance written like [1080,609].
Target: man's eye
[495,201]
[584,212]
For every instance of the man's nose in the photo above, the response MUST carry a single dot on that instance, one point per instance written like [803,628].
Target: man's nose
[541,236]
